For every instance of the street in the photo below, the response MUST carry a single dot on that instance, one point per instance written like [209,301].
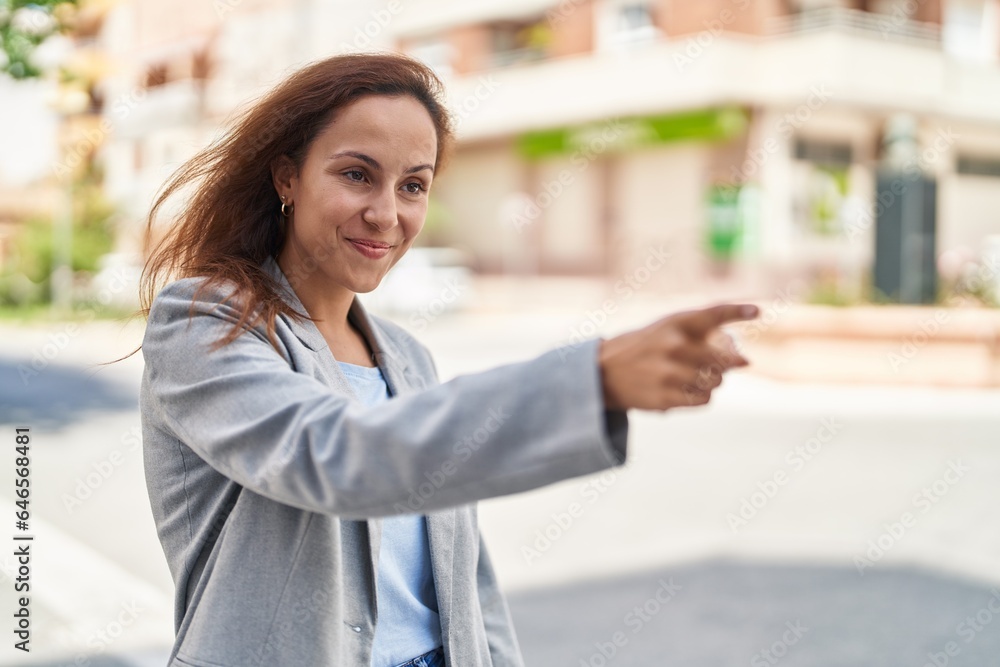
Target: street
[808,524]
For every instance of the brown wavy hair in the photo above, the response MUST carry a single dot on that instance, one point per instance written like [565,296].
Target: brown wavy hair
[231,222]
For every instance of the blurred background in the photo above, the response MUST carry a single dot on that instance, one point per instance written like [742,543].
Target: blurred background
[836,162]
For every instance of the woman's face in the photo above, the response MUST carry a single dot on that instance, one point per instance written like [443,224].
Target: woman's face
[360,197]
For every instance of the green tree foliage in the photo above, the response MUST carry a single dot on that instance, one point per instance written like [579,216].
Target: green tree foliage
[26,278]
[23,26]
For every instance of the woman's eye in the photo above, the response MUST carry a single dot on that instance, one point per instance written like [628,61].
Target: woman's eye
[414,188]
[350,174]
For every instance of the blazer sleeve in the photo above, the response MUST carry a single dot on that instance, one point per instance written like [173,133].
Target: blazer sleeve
[287,436]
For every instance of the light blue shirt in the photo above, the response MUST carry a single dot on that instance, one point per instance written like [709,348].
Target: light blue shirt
[408,623]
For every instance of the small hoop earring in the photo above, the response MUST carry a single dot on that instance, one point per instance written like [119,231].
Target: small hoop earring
[286,210]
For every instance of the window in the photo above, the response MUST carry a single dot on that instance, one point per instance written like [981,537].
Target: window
[830,154]
[634,16]
[435,53]
[629,23]
[803,6]
[517,41]
[823,202]
[975,166]
[970,30]
[156,75]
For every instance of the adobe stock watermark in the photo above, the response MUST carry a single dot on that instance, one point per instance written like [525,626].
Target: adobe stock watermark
[277,124]
[562,11]
[223,7]
[598,143]
[902,13]
[967,630]
[696,46]
[285,636]
[85,486]
[634,621]
[32,20]
[796,459]
[364,35]
[923,500]
[102,640]
[92,139]
[784,128]
[910,173]
[626,286]
[56,342]
[470,104]
[749,331]
[7,567]
[301,272]
[770,314]
[983,278]
[929,327]
[773,654]
[462,451]
[590,492]
[439,305]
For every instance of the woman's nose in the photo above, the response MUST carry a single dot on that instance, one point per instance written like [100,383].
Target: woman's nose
[381,211]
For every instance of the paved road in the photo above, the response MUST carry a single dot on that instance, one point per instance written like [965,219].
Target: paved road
[721,613]
[756,510]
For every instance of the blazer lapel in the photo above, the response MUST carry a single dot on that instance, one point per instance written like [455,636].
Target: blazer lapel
[441,539]
[401,381]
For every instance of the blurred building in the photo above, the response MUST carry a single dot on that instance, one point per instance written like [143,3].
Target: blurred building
[51,128]
[28,152]
[737,138]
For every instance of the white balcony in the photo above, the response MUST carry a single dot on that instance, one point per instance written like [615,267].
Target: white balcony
[849,63]
[138,112]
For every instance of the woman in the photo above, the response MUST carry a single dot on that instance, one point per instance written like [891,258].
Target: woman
[312,481]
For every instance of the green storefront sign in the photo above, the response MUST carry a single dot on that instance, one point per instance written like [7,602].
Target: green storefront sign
[628,133]
[725,224]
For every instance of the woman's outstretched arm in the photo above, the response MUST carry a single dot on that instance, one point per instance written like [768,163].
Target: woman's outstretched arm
[287,436]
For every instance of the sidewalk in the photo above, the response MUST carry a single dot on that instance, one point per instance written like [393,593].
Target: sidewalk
[793,341]
[665,513]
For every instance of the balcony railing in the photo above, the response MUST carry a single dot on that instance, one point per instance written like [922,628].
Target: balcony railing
[509,57]
[896,27]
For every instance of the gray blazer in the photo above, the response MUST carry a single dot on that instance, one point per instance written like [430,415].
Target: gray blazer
[267,477]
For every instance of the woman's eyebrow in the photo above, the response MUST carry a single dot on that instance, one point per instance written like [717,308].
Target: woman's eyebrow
[373,163]
[369,160]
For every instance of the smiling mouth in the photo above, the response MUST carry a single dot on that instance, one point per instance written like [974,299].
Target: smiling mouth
[371,249]
[371,244]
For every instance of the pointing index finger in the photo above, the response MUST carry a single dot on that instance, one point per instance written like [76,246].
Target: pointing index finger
[699,323]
